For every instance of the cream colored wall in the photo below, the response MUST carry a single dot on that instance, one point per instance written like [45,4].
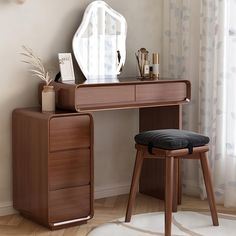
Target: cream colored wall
[47,26]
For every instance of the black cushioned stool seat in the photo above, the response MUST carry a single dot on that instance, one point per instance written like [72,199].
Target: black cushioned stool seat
[171,145]
[171,139]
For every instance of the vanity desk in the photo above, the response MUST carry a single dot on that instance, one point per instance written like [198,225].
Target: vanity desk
[53,182]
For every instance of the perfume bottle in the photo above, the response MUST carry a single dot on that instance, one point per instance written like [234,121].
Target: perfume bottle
[146,68]
[155,62]
[151,72]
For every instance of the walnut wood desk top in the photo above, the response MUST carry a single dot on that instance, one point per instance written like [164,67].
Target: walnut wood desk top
[122,93]
[122,81]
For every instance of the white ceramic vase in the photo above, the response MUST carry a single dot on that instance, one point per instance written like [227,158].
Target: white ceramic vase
[48,99]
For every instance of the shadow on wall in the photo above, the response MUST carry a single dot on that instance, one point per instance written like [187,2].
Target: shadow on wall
[75,22]
[12,1]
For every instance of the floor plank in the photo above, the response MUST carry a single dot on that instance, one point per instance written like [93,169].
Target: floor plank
[106,210]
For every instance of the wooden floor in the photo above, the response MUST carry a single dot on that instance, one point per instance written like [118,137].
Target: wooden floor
[106,209]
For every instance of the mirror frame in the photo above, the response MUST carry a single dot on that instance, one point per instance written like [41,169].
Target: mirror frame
[83,26]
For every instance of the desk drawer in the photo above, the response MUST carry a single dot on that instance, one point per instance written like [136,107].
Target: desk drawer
[70,132]
[69,168]
[69,204]
[105,95]
[163,92]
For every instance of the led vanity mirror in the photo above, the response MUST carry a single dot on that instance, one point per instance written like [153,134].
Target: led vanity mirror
[99,43]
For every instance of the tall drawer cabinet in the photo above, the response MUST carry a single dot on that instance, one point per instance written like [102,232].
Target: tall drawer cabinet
[53,166]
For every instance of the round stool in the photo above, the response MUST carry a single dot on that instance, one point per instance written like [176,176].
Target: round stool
[171,145]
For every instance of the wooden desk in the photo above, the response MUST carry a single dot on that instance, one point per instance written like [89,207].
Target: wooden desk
[159,102]
[53,175]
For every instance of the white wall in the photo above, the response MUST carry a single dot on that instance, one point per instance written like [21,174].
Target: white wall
[47,26]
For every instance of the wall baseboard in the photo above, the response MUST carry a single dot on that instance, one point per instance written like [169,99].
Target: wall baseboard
[191,188]
[6,208]
[111,190]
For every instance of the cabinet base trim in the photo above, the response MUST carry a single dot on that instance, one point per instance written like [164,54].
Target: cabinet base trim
[70,221]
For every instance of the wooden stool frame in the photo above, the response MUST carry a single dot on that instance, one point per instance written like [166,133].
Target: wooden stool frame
[171,182]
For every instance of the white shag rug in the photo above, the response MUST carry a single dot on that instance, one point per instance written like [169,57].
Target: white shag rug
[184,223]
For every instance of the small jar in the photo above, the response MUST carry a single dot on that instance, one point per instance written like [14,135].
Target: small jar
[48,99]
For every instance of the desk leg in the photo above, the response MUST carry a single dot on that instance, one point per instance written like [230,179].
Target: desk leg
[152,181]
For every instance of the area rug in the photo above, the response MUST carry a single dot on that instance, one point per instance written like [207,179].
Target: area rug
[184,223]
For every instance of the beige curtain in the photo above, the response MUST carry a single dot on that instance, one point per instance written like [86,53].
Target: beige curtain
[199,44]
[180,57]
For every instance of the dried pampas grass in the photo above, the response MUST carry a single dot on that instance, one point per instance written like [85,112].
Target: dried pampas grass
[38,69]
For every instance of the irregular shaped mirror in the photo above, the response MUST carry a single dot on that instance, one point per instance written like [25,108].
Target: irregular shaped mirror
[99,43]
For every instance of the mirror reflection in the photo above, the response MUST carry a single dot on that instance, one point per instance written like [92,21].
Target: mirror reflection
[99,43]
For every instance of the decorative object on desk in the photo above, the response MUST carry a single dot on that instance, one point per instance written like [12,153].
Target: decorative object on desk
[48,99]
[155,65]
[99,45]
[151,75]
[48,93]
[142,60]
[147,70]
[66,67]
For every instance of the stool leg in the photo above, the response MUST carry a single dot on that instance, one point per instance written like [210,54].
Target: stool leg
[168,194]
[209,188]
[134,184]
[176,185]
[179,181]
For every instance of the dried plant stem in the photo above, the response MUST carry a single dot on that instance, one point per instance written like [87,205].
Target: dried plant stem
[38,67]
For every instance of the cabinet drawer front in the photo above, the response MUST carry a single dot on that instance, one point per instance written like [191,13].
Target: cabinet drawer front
[69,204]
[69,168]
[102,96]
[163,92]
[69,132]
